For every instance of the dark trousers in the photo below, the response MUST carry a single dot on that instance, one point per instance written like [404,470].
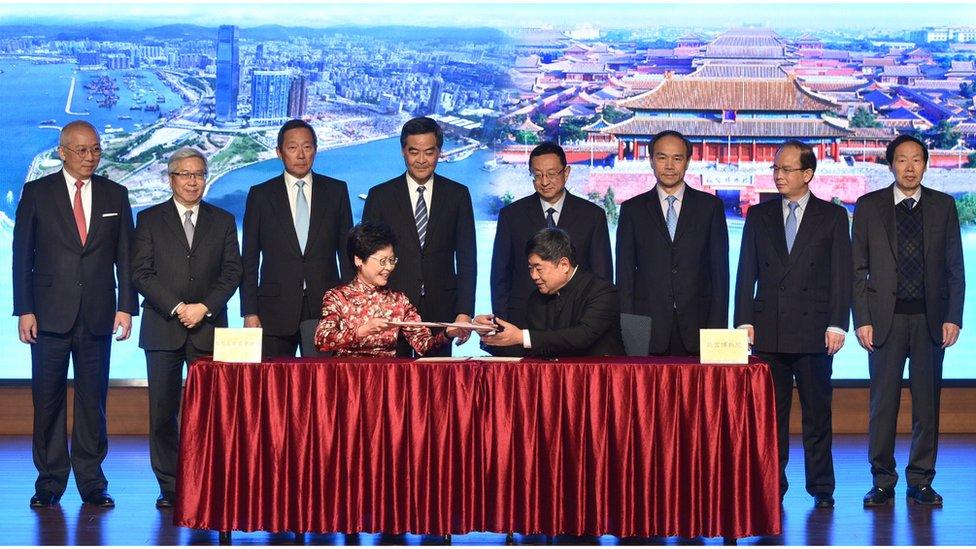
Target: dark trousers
[812,374]
[286,345]
[90,356]
[909,338]
[676,346]
[164,371]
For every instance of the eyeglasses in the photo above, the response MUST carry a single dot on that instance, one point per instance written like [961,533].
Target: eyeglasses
[539,176]
[385,261]
[784,169]
[202,176]
[84,151]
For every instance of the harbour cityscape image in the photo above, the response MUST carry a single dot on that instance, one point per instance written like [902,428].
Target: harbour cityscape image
[736,79]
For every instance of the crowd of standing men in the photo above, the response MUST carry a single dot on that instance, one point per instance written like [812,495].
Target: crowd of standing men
[79,262]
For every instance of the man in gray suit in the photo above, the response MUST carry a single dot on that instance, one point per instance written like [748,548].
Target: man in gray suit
[908,295]
[187,264]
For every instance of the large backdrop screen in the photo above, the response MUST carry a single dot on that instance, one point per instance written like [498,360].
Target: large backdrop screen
[222,78]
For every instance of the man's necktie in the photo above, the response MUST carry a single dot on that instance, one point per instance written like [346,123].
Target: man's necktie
[420,215]
[301,215]
[791,226]
[672,218]
[188,226]
[79,211]
[550,221]
[909,203]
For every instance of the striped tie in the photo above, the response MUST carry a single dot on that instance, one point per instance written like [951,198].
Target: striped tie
[420,215]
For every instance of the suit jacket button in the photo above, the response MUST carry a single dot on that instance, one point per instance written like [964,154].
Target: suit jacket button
[674,271]
[191,278]
[783,288]
[81,283]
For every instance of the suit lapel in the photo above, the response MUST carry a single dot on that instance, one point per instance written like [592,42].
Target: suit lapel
[320,191]
[887,214]
[809,225]
[435,216]
[171,216]
[773,219]
[689,205]
[97,209]
[929,214]
[64,208]
[202,227]
[653,204]
[282,212]
[403,204]
[534,215]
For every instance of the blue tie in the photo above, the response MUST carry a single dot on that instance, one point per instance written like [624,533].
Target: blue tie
[301,215]
[420,215]
[672,217]
[791,226]
[550,221]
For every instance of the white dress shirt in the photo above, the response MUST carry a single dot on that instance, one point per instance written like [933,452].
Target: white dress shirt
[293,195]
[663,197]
[557,205]
[85,195]
[412,187]
[899,196]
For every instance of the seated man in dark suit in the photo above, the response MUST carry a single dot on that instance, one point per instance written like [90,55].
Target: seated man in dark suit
[570,313]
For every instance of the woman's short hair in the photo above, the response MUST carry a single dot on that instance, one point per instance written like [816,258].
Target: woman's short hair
[367,238]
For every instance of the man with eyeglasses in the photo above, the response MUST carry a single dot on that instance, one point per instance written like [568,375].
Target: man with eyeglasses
[909,288]
[72,291]
[793,295]
[295,228]
[433,218]
[673,253]
[550,206]
[186,263]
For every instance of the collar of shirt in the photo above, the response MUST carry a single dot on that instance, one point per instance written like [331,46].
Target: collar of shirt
[899,196]
[557,205]
[571,275]
[412,187]
[70,180]
[803,201]
[662,195]
[181,211]
[290,181]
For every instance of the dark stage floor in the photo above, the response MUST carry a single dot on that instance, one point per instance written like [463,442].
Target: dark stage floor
[135,521]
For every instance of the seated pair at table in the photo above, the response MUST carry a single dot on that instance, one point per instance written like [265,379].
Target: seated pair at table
[571,313]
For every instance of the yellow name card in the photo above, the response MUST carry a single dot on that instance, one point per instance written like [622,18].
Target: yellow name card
[724,346]
[237,344]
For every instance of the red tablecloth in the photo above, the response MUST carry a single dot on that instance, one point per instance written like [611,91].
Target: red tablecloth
[625,446]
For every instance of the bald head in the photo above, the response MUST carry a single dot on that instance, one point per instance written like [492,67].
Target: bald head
[80,149]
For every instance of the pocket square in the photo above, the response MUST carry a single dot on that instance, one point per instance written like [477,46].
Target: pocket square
[110,214]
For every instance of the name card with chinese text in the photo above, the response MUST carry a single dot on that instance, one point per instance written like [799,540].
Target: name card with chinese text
[724,346]
[237,344]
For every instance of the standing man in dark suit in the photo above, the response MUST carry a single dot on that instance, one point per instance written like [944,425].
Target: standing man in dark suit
[295,228]
[186,262]
[70,253]
[433,218]
[570,313]
[793,295]
[550,206]
[909,284]
[673,253]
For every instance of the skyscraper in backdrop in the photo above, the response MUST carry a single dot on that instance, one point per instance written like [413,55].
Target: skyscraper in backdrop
[228,74]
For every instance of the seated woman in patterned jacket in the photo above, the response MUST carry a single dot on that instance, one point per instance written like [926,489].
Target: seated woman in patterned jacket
[356,317]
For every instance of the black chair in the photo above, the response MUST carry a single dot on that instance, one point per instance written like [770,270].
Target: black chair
[636,333]
[308,339]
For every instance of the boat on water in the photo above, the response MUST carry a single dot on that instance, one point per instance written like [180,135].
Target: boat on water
[490,165]
[362,196]
[125,117]
[48,122]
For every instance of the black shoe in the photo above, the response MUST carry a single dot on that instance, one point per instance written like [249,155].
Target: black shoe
[923,494]
[165,500]
[99,498]
[823,501]
[43,499]
[877,496]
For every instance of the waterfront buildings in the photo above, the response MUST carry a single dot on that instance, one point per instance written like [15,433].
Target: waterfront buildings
[228,74]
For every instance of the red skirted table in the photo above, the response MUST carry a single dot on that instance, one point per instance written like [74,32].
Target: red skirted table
[622,446]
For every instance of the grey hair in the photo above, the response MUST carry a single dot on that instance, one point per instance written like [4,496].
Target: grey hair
[73,126]
[183,154]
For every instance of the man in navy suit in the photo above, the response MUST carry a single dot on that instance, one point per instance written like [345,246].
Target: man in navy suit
[550,206]
[434,220]
[673,253]
[186,262]
[295,228]
[70,263]
[793,295]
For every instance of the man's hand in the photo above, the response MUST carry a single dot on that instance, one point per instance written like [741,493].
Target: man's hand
[192,314]
[950,334]
[252,321]
[509,334]
[372,327]
[123,320]
[865,336]
[833,341]
[461,335]
[27,327]
[751,331]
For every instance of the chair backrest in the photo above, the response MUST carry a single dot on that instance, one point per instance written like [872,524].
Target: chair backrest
[308,339]
[636,333]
